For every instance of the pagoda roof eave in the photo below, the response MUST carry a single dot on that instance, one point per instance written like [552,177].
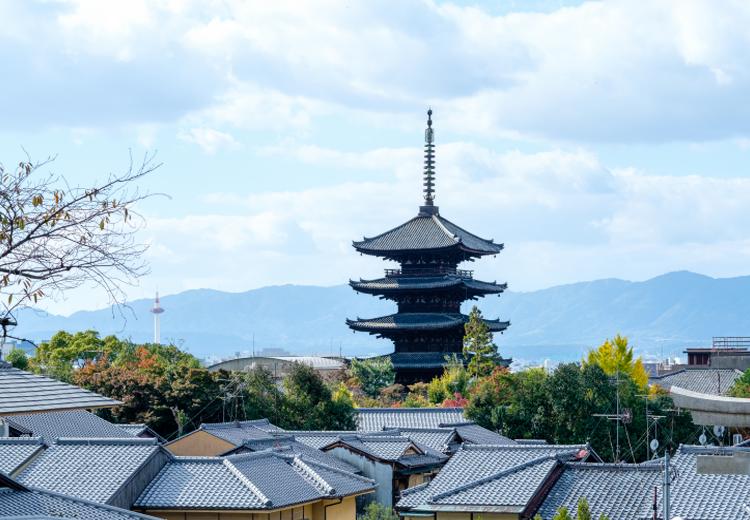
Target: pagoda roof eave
[408,322]
[426,233]
[416,284]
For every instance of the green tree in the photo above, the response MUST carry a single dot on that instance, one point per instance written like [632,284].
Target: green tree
[615,356]
[583,513]
[310,404]
[562,514]
[18,358]
[373,374]
[478,345]
[454,380]
[376,511]
[741,386]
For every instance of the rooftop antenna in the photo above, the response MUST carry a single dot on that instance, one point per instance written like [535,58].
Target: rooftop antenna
[620,416]
[157,310]
[429,161]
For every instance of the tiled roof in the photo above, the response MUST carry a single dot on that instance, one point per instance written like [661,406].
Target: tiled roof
[425,232]
[140,430]
[92,469]
[17,501]
[420,283]
[699,496]
[500,477]
[288,444]
[378,419]
[252,481]
[473,433]
[419,321]
[620,491]
[317,439]
[72,423]
[22,392]
[393,448]
[439,439]
[238,432]
[714,381]
[15,451]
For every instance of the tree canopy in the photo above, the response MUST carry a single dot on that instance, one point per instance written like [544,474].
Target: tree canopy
[478,345]
[615,356]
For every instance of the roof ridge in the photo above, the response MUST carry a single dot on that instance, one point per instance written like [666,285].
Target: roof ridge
[105,441]
[622,466]
[490,240]
[246,482]
[308,473]
[22,440]
[494,476]
[480,447]
[431,409]
[447,231]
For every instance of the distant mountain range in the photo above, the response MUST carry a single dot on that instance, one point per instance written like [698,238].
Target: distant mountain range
[660,316]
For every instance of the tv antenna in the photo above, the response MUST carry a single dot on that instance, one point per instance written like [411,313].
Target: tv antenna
[624,416]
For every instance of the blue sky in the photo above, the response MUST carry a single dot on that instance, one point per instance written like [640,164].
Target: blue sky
[595,139]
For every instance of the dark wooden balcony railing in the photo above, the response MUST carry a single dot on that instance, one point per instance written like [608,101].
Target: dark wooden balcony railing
[429,271]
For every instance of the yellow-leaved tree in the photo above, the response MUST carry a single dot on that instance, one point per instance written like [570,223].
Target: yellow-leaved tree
[614,355]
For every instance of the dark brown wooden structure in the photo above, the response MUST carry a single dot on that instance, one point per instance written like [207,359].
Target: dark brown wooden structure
[428,287]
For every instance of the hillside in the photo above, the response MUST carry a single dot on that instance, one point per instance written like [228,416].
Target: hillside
[662,314]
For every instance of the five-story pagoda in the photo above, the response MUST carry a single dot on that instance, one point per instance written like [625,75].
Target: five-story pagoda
[428,288]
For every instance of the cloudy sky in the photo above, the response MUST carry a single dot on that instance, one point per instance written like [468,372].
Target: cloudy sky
[595,139]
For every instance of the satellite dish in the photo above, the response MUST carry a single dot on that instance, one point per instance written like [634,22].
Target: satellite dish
[703,439]
[654,444]
[719,430]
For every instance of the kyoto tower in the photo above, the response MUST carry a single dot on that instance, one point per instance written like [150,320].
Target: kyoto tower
[157,310]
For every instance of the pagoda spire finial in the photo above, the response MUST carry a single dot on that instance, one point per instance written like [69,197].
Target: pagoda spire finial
[429,161]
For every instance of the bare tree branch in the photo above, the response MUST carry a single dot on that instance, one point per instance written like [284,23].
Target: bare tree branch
[54,237]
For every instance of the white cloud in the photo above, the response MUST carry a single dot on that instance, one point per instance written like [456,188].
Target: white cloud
[562,215]
[208,139]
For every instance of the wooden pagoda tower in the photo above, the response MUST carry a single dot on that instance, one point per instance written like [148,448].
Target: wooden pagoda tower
[428,288]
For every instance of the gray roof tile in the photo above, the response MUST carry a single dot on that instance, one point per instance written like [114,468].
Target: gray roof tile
[700,496]
[473,433]
[318,439]
[238,432]
[15,451]
[378,419]
[620,491]
[427,232]
[288,444]
[22,392]
[43,504]
[396,449]
[500,476]
[253,481]
[714,381]
[91,469]
[72,423]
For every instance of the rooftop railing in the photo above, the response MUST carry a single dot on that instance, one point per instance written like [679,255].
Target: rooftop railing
[429,271]
[731,342]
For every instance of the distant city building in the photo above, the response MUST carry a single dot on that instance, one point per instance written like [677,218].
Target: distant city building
[280,366]
[428,288]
